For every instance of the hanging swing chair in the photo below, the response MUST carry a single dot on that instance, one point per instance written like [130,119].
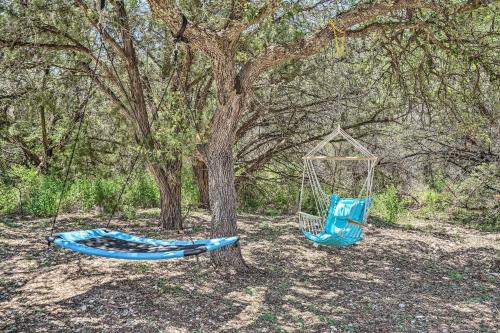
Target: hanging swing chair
[336,220]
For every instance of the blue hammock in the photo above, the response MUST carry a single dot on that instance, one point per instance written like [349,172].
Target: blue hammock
[343,224]
[120,245]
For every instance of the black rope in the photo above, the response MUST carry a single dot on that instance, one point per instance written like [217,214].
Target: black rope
[179,36]
[80,123]
[136,158]
[141,147]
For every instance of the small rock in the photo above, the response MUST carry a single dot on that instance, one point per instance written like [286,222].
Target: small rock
[83,307]
[402,305]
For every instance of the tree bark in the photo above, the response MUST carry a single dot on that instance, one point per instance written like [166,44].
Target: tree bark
[223,207]
[168,178]
[219,152]
[200,172]
[45,141]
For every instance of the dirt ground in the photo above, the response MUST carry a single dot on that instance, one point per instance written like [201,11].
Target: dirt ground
[422,276]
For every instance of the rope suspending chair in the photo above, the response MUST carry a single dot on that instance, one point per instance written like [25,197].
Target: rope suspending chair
[336,220]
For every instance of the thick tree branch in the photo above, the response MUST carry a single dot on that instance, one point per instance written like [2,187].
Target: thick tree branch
[367,29]
[312,44]
[108,91]
[105,35]
[197,37]
[236,27]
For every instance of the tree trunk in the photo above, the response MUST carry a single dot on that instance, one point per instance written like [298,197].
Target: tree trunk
[200,172]
[219,157]
[168,179]
[223,207]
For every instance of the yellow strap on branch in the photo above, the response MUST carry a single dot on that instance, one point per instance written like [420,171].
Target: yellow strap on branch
[339,46]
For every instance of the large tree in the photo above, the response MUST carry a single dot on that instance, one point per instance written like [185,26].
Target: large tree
[237,21]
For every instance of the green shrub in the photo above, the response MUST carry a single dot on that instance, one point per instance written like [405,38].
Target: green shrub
[81,194]
[388,204]
[129,212]
[142,192]
[106,194]
[89,193]
[271,197]
[486,221]
[42,196]
[39,193]
[433,201]
[9,199]
[189,190]
[248,199]
[270,193]
[308,203]
[478,189]
[474,200]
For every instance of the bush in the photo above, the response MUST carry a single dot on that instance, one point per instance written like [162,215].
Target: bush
[9,199]
[271,197]
[90,193]
[81,195]
[142,192]
[433,201]
[39,193]
[388,204]
[485,221]
[42,197]
[106,194]
[474,203]
[189,190]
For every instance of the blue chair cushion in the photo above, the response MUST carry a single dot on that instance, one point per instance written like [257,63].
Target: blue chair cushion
[342,209]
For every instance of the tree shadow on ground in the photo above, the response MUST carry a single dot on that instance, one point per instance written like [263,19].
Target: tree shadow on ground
[393,281]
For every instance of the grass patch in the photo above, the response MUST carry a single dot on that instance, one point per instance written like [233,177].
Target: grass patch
[141,268]
[349,327]
[268,316]
[165,288]
[456,275]
[329,321]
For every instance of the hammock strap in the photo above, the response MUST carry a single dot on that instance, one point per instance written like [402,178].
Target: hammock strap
[174,59]
[80,123]
[177,38]
[340,47]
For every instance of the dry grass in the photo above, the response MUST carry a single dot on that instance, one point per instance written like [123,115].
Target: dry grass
[423,277]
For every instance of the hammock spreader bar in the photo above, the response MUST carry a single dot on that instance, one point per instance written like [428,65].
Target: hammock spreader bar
[120,245]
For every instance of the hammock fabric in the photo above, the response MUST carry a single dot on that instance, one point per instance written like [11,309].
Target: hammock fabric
[120,245]
[339,229]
